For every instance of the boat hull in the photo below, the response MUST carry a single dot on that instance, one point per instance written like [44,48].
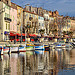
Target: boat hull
[22,49]
[1,51]
[39,48]
[29,48]
[14,49]
[5,50]
[46,47]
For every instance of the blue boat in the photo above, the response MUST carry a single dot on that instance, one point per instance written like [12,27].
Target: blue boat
[39,47]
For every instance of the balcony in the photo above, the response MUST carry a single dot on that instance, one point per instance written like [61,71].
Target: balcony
[7,19]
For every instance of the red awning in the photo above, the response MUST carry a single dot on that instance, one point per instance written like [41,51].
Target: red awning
[23,34]
[18,34]
[12,34]
[32,35]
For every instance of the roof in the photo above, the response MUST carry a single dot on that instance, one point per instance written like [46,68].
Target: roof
[13,5]
[30,12]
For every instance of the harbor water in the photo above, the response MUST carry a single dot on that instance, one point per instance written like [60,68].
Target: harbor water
[53,62]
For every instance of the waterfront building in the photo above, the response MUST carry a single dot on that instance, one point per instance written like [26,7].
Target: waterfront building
[41,24]
[46,22]
[31,22]
[59,22]
[5,19]
[66,25]
[19,19]
[51,26]
[13,16]
[72,29]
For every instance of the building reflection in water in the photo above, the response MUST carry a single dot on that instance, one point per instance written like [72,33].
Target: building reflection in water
[31,63]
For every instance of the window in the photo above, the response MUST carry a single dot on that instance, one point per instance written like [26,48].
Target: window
[39,24]
[6,26]
[29,15]
[33,15]
[13,18]
[7,2]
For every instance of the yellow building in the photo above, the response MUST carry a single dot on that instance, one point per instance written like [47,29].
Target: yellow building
[31,22]
[67,24]
[19,18]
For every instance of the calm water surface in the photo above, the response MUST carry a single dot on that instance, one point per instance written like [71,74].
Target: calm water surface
[55,62]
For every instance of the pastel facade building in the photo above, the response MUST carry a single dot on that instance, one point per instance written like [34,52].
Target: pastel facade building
[13,16]
[5,20]
[19,19]
[41,23]
[31,21]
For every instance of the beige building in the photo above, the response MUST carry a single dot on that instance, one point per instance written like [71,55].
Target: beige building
[19,19]
[5,19]
[73,27]
[31,22]
[66,23]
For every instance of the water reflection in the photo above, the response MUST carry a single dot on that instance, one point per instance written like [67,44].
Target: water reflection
[55,62]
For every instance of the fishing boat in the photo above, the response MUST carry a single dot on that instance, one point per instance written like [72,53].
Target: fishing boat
[46,46]
[39,47]
[29,47]
[6,50]
[1,50]
[22,48]
[14,49]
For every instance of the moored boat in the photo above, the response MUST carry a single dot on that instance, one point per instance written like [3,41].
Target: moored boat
[1,50]
[22,48]
[29,47]
[46,46]
[39,47]
[5,50]
[14,49]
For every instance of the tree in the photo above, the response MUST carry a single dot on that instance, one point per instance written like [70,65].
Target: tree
[70,34]
[42,31]
[55,32]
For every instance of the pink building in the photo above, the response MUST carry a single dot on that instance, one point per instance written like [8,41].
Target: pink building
[13,15]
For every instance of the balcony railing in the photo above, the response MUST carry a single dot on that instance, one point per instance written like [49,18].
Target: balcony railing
[7,19]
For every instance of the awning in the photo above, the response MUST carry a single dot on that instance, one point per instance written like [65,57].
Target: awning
[23,34]
[12,34]
[32,35]
[18,34]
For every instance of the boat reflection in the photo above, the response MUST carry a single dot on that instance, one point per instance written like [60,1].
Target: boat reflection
[54,62]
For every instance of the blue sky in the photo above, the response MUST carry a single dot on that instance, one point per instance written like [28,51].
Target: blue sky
[64,7]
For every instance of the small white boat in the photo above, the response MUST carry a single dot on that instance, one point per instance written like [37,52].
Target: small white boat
[5,50]
[22,48]
[1,50]
[14,49]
